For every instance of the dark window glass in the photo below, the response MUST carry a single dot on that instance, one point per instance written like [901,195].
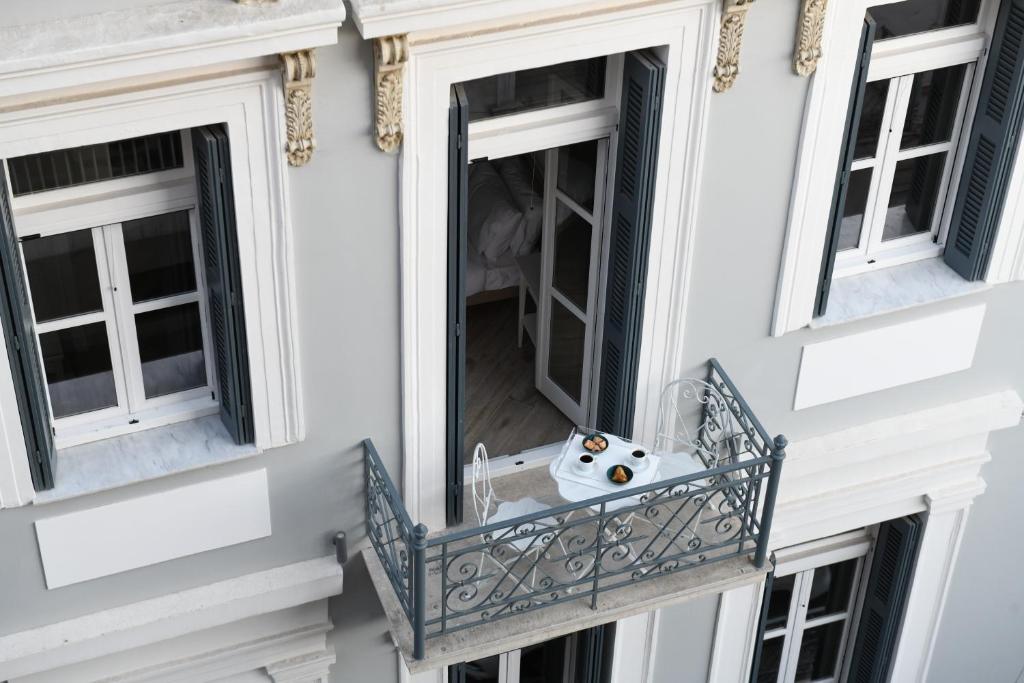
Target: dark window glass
[870,126]
[565,361]
[543,663]
[853,210]
[62,275]
[934,99]
[577,171]
[79,373]
[916,16]
[92,163]
[571,274]
[778,602]
[159,253]
[819,652]
[915,190]
[547,86]
[171,349]
[483,670]
[830,589]
[771,660]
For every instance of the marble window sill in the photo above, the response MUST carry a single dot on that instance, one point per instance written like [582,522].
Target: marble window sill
[150,454]
[893,289]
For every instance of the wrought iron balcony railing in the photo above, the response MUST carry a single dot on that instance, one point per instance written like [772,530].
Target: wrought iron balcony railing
[573,553]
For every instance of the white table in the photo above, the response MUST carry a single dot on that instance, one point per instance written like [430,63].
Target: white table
[575,485]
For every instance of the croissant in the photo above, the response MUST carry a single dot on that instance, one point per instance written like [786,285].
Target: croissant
[595,443]
[619,475]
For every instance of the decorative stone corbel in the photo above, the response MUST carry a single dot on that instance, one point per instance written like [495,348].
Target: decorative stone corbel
[727,68]
[390,54]
[808,36]
[299,70]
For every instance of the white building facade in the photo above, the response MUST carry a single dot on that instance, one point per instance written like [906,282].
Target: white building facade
[271,270]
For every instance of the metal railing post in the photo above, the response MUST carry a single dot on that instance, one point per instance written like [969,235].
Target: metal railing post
[778,454]
[419,598]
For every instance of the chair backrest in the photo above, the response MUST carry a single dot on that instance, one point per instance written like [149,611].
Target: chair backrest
[483,491]
[694,416]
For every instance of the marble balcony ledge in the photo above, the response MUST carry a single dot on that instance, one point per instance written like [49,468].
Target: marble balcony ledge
[142,456]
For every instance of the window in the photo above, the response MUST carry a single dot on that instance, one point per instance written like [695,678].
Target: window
[582,657]
[129,322]
[807,624]
[905,148]
[546,86]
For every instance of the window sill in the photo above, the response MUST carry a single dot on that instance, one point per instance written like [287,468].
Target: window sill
[141,456]
[893,289]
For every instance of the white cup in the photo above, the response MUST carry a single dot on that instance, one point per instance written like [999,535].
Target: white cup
[585,463]
[639,459]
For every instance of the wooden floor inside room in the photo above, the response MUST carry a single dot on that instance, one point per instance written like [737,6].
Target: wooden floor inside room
[504,410]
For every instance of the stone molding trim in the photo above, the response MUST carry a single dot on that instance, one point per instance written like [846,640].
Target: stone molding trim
[390,55]
[299,69]
[309,668]
[809,32]
[727,66]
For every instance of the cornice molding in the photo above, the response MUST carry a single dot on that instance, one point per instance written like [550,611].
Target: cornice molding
[390,55]
[727,66]
[809,32]
[299,68]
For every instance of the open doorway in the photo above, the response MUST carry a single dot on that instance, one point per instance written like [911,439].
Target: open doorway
[535,227]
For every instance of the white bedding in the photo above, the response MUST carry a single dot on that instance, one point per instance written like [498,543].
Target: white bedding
[505,216]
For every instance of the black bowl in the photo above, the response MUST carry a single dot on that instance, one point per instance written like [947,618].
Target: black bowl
[628,471]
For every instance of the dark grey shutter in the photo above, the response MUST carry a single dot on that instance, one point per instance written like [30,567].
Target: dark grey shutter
[211,153]
[846,154]
[23,351]
[885,596]
[458,189]
[594,653]
[457,673]
[643,81]
[762,620]
[991,148]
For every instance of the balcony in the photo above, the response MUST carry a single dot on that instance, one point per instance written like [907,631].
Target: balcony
[473,591]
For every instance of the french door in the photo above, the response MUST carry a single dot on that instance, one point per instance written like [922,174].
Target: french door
[574,196]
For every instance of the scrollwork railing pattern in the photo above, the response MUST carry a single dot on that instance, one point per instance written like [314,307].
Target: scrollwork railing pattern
[578,552]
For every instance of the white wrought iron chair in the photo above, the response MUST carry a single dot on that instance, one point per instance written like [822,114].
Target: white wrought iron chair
[485,500]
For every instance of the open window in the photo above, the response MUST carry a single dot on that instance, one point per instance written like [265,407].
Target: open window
[919,178]
[547,259]
[121,290]
[582,657]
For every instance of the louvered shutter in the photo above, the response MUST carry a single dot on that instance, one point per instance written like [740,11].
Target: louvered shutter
[458,189]
[991,148]
[762,620]
[593,654]
[643,81]
[211,153]
[885,596]
[23,350]
[846,154]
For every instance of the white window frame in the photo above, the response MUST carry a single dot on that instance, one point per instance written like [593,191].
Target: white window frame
[899,61]
[822,135]
[509,663]
[802,562]
[249,101]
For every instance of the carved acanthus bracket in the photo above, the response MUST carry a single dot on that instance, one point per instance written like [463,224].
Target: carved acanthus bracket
[389,57]
[727,67]
[299,70]
[808,36]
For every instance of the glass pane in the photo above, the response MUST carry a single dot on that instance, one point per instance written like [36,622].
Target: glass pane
[171,349]
[159,252]
[934,99]
[79,373]
[871,115]
[853,210]
[830,589]
[577,169]
[543,663]
[778,602]
[62,275]
[915,190]
[483,670]
[916,16]
[565,360]
[771,660]
[571,274]
[547,86]
[819,652]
